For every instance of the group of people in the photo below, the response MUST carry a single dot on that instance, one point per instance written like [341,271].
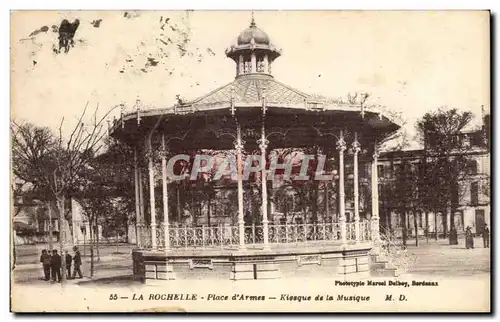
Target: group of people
[51,262]
[469,237]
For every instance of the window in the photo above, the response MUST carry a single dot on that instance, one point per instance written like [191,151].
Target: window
[397,169]
[472,167]
[476,138]
[474,193]
[421,168]
[381,173]
[466,140]
[455,190]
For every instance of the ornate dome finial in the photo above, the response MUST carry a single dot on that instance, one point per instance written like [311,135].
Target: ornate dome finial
[252,24]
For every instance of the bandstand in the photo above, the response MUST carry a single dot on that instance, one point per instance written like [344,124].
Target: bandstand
[259,115]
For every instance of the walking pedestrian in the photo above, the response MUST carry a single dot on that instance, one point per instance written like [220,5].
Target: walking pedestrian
[56,266]
[469,240]
[45,260]
[68,264]
[77,262]
[486,236]
[453,236]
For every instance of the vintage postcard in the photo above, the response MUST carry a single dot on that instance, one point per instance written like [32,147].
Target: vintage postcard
[250,161]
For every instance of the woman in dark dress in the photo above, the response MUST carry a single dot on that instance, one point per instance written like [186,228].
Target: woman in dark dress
[453,236]
[469,240]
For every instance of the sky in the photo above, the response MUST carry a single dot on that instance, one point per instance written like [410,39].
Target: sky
[411,62]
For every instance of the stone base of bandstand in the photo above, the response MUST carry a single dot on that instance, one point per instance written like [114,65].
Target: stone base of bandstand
[314,259]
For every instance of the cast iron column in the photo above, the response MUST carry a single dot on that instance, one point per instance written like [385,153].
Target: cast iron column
[375,216]
[152,193]
[263,146]
[165,192]
[138,219]
[341,146]
[253,60]
[266,64]
[356,148]
[239,163]
[241,66]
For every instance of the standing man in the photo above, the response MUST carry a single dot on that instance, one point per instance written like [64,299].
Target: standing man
[45,260]
[68,264]
[56,266]
[77,262]
[486,236]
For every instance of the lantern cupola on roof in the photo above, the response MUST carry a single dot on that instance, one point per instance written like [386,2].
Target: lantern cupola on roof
[253,52]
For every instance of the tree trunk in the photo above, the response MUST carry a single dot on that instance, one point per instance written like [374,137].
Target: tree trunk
[51,233]
[452,217]
[436,226]
[85,242]
[415,223]
[387,220]
[285,210]
[427,226]
[209,210]
[126,228]
[269,194]
[327,207]
[445,222]
[62,238]
[193,209]
[314,202]
[403,215]
[389,215]
[96,234]
[91,249]
[407,223]
[13,241]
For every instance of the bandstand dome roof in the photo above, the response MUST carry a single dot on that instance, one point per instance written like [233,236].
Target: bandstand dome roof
[259,36]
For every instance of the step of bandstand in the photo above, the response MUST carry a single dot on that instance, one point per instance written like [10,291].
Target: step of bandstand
[385,272]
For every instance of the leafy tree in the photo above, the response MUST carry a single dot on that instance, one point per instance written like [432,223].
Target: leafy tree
[447,158]
[401,193]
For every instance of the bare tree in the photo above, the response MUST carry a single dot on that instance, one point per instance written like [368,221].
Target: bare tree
[55,163]
[31,149]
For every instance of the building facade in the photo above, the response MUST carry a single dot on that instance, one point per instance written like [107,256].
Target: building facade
[473,193]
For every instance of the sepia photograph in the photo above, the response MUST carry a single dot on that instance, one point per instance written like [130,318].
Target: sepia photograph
[250,161]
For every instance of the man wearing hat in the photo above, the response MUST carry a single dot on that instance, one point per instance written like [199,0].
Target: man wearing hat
[486,236]
[68,263]
[77,262]
[56,266]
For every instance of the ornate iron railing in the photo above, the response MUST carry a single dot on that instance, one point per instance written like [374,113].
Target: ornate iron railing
[395,250]
[224,236]
[365,231]
[202,237]
[303,233]
[144,236]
